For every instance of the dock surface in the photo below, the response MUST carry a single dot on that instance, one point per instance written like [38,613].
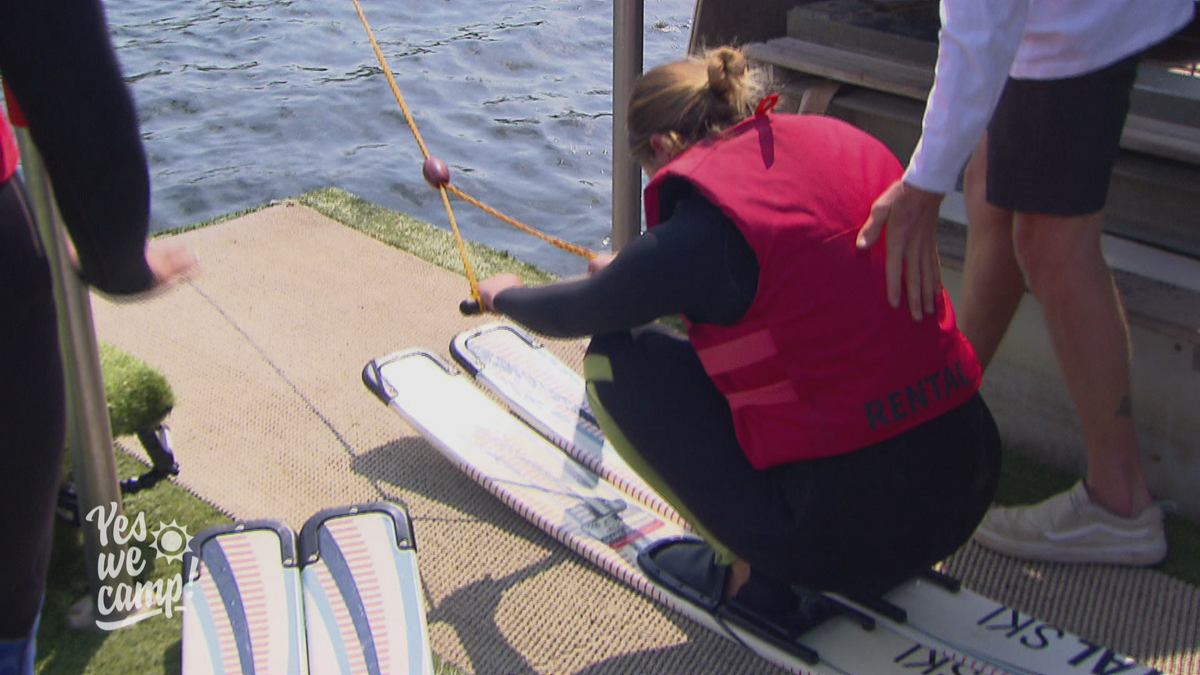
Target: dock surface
[264,352]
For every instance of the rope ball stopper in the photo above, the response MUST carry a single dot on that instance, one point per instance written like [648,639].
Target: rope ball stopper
[436,172]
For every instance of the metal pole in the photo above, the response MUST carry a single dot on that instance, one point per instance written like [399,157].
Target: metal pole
[694,37]
[89,434]
[626,174]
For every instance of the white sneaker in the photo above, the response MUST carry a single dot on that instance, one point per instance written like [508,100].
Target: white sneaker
[1069,528]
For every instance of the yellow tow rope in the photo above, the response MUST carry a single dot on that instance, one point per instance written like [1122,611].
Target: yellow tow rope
[437,175]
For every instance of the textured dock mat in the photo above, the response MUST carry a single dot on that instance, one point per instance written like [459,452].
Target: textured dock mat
[264,352]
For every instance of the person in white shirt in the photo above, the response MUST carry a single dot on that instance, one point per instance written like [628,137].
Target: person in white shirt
[1035,93]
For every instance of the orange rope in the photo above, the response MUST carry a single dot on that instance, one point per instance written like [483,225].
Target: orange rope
[564,245]
[412,124]
[443,187]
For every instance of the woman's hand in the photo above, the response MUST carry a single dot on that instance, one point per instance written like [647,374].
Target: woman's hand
[599,262]
[491,287]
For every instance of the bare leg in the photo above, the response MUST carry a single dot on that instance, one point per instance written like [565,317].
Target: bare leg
[739,574]
[1063,262]
[992,285]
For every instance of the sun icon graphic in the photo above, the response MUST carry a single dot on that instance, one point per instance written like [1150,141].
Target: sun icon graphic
[171,541]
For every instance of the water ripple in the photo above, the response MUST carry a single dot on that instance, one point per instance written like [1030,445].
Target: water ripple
[245,101]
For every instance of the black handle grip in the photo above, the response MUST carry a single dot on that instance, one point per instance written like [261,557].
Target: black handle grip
[470,307]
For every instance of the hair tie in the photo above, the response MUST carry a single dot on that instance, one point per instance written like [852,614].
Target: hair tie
[767,104]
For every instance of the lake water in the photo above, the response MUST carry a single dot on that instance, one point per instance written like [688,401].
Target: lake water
[246,101]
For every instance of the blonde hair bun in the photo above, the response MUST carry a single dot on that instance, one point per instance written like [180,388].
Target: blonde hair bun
[689,100]
[726,72]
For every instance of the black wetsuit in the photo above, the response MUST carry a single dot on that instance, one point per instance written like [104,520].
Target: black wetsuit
[858,522]
[57,59]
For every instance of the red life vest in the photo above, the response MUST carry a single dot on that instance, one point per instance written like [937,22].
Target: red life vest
[821,364]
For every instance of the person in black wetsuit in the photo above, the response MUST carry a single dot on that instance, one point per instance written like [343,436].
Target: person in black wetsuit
[784,427]
[57,63]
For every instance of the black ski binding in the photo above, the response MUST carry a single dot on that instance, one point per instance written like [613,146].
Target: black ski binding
[157,443]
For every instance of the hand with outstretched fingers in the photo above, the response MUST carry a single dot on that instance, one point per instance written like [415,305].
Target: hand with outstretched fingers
[911,217]
[492,286]
[171,262]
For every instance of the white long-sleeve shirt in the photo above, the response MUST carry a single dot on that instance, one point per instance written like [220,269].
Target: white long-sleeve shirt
[983,42]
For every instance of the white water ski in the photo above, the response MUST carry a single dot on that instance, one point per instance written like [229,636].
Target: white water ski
[243,605]
[344,597]
[364,607]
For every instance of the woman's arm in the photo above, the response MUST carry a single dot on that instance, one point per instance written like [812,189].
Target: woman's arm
[57,59]
[697,264]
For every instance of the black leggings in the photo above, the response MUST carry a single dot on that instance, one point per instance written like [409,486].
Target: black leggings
[861,522]
[32,417]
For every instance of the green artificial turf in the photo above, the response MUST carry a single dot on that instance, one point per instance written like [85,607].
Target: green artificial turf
[425,241]
[139,396]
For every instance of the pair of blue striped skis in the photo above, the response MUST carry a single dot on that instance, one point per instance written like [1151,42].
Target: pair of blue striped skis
[343,597]
[549,461]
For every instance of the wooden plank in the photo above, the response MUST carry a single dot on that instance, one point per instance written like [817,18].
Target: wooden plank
[905,31]
[1162,139]
[816,98]
[729,23]
[866,70]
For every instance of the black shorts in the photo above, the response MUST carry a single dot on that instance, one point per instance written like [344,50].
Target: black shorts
[1052,143]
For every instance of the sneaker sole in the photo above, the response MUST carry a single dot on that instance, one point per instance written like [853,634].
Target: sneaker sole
[1055,553]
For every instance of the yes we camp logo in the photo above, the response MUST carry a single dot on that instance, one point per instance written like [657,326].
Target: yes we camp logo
[129,603]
